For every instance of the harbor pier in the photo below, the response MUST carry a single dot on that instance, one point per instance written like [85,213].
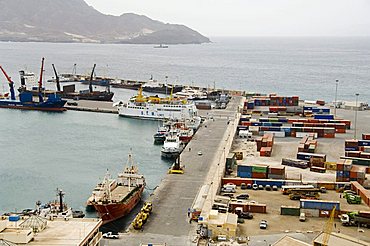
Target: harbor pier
[169,221]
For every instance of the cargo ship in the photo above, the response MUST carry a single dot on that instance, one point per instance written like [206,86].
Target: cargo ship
[156,108]
[118,200]
[52,103]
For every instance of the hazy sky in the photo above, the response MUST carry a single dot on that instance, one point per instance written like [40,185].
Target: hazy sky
[253,17]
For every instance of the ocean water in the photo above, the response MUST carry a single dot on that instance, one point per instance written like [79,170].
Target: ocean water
[307,67]
[43,151]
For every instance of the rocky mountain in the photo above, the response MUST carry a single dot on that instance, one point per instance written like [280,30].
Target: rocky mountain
[75,21]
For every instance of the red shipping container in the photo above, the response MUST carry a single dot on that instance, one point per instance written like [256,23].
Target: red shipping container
[365,155]
[353,174]
[367,170]
[259,175]
[366,136]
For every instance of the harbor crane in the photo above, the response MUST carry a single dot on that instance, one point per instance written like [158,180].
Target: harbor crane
[328,228]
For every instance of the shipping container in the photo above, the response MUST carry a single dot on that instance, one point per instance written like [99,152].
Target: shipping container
[260,168]
[310,212]
[319,204]
[289,210]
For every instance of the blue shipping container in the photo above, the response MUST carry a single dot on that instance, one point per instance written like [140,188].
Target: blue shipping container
[351,149]
[324,117]
[244,174]
[319,204]
[14,218]
[244,168]
[364,142]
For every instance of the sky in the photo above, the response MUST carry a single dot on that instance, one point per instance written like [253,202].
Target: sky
[252,17]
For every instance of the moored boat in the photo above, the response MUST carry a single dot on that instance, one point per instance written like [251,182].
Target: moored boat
[52,103]
[156,108]
[172,147]
[119,201]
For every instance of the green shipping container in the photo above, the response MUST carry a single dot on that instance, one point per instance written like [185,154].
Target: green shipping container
[289,210]
[259,169]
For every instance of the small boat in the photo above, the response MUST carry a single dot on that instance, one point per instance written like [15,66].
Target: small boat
[186,134]
[120,200]
[172,147]
[161,46]
[160,135]
[58,209]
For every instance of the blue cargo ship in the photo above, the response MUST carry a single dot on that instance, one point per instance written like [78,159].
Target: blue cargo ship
[52,103]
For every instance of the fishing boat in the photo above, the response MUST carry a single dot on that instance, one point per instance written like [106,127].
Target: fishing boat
[52,103]
[156,108]
[119,201]
[160,135]
[172,146]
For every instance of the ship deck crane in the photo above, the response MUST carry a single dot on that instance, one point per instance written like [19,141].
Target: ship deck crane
[91,78]
[56,78]
[41,99]
[11,84]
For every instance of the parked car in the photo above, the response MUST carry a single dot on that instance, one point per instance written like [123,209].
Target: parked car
[240,220]
[228,189]
[245,215]
[322,189]
[263,224]
[255,187]
[243,196]
[111,235]
[249,186]
[243,186]
[260,187]
[231,195]
[274,188]
[268,187]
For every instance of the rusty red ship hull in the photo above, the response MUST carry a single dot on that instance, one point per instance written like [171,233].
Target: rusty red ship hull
[113,211]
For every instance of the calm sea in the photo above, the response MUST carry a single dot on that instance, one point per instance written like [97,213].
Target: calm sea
[307,67]
[44,151]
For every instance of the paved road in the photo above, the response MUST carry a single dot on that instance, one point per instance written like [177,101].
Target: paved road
[169,222]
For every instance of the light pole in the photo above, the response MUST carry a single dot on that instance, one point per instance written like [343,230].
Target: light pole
[335,100]
[356,109]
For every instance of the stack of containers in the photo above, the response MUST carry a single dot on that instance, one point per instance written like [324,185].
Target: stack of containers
[356,174]
[307,156]
[259,171]
[313,208]
[253,171]
[307,144]
[326,132]
[339,127]
[267,142]
[357,148]
[276,173]
[317,165]
[343,170]
[283,101]
[337,121]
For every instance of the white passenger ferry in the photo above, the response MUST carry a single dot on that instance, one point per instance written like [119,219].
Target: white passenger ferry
[153,107]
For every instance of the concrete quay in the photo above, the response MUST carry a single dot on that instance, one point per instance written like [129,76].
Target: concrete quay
[169,222]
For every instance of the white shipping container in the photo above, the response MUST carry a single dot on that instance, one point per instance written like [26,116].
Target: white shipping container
[302,134]
[245,134]
[254,128]
[276,134]
[310,212]
[367,149]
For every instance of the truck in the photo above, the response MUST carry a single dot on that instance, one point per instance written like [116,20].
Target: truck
[353,199]
[356,219]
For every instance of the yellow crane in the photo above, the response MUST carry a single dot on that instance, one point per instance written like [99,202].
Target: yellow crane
[328,228]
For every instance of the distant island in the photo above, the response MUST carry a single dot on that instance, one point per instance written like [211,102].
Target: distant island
[75,21]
